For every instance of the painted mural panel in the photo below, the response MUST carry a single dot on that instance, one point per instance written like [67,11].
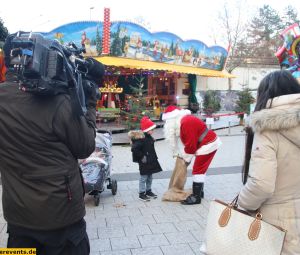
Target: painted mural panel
[129,40]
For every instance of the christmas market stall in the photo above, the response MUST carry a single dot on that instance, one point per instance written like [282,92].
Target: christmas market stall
[144,71]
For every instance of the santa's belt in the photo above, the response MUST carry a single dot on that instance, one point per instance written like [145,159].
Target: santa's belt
[202,135]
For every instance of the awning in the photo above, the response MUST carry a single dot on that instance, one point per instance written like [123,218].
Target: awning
[150,65]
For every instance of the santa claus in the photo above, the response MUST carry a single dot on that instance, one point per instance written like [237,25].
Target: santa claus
[197,140]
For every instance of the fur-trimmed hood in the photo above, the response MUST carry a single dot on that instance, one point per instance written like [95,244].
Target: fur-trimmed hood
[283,116]
[136,134]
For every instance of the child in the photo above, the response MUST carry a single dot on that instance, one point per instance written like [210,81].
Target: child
[143,152]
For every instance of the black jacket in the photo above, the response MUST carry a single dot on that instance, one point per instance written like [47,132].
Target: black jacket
[143,145]
[40,144]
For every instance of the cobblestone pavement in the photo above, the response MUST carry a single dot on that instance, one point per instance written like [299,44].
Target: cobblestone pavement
[123,225]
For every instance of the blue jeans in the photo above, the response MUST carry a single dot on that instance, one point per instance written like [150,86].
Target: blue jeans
[145,183]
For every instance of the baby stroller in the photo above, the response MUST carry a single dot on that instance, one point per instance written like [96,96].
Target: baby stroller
[97,167]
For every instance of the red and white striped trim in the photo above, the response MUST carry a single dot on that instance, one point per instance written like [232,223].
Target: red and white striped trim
[210,147]
[187,157]
[170,115]
[149,128]
[199,178]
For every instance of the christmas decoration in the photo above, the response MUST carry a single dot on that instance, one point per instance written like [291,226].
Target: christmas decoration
[245,99]
[288,54]
[137,105]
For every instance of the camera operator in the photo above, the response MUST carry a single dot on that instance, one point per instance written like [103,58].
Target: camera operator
[43,194]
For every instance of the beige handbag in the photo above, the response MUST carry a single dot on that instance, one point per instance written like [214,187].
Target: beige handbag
[231,231]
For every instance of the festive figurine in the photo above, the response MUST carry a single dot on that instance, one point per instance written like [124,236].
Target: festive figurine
[288,54]
[197,141]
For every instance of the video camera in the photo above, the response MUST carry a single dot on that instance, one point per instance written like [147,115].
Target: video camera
[46,67]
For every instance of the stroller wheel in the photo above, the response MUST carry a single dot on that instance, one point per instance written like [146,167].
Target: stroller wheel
[97,199]
[114,187]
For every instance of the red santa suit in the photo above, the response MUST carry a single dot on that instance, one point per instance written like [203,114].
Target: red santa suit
[196,139]
[192,130]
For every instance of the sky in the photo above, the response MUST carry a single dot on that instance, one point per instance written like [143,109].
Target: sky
[189,19]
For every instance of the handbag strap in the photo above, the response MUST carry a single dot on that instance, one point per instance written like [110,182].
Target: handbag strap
[254,228]
[289,140]
[234,202]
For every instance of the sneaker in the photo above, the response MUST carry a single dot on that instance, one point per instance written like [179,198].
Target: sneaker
[143,197]
[150,194]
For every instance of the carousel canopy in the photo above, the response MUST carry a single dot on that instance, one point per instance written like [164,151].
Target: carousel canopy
[149,65]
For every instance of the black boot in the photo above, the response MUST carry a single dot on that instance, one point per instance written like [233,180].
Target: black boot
[201,189]
[194,198]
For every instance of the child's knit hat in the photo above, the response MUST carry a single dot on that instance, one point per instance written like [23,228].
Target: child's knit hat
[147,124]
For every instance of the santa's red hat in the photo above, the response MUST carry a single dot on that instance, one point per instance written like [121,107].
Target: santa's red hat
[147,124]
[170,112]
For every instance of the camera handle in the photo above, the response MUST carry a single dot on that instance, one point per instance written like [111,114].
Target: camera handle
[80,91]
[77,105]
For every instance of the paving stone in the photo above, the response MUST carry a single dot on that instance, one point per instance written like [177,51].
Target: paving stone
[162,228]
[187,216]
[137,230]
[106,214]
[177,249]
[126,204]
[147,251]
[118,227]
[198,234]
[2,220]
[159,218]
[123,186]
[100,245]
[153,240]
[117,252]
[3,240]
[173,209]
[92,222]
[129,212]
[188,225]
[126,199]
[180,237]
[3,227]
[151,210]
[118,221]
[126,193]
[92,233]
[121,243]
[110,232]
[202,223]
[90,212]
[142,220]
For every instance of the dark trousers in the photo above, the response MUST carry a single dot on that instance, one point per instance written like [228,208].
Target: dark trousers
[72,240]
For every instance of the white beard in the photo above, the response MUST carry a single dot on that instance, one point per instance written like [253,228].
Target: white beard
[172,132]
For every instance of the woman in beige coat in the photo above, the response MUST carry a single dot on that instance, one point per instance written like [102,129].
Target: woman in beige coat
[272,168]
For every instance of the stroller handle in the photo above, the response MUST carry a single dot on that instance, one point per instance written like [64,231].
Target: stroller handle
[102,131]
